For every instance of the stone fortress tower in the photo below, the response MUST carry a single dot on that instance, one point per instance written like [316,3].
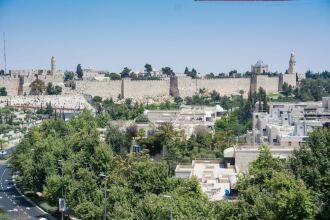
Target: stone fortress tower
[53,66]
[292,64]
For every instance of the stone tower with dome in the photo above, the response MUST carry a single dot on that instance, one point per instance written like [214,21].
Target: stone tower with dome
[259,68]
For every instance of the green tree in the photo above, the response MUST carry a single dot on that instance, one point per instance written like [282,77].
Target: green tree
[53,90]
[286,90]
[215,96]
[3,91]
[193,73]
[117,140]
[186,71]
[125,73]
[148,177]
[68,75]
[148,69]
[311,163]
[37,87]
[269,191]
[168,71]
[114,76]
[79,71]
[141,118]
[178,100]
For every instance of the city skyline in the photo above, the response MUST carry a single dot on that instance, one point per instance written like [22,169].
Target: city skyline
[209,36]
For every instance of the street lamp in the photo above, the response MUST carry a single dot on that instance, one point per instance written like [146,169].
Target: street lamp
[103,176]
[170,198]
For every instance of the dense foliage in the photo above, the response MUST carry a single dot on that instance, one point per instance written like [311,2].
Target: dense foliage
[192,73]
[53,90]
[69,75]
[312,88]
[168,71]
[269,191]
[136,185]
[3,91]
[311,163]
[79,71]
[37,87]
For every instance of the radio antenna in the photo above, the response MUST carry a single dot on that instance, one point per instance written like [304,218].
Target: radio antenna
[4,51]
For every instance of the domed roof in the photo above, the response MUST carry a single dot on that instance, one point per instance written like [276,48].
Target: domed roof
[260,63]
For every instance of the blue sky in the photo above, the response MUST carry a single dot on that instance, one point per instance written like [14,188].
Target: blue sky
[210,36]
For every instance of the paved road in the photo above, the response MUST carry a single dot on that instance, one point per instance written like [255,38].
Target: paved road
[14,203]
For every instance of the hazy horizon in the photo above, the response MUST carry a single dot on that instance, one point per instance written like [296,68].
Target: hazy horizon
[208,36]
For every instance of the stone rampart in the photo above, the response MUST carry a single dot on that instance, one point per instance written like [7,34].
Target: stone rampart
[290,79]
[226,86]
[11,84]
[104,89]
[270,84]
[141,90]
[145,89]
[55,79]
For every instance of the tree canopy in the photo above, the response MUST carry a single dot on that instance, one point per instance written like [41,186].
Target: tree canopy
[37,87]
[53,90]
[125,73]
[79,71]
[167,71]
[3,91]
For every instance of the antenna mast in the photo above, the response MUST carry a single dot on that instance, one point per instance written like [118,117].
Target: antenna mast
[4,51]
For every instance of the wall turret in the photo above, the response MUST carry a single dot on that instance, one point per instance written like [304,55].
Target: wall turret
[292,64]
[53,66]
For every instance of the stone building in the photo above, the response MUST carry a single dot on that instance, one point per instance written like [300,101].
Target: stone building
[216,179]
[285,128]
[259,68]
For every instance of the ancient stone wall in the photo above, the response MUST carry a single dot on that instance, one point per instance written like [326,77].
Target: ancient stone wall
[157,90]
[104,89]
[55,79]
[227,86]
[186,86]
[145,89]
[290,79]
[11,84]
[270,84]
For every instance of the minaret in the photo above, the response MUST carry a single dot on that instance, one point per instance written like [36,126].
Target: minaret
[292,64]
[53,66]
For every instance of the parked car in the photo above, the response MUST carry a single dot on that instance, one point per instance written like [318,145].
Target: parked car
[3,153]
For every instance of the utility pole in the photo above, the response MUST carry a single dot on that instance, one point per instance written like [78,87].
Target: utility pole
[4,51]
